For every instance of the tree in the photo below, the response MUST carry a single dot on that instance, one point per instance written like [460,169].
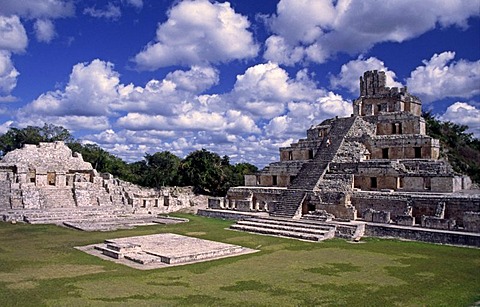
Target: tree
[460,148]
[204,171]
[162,169]
[15,138]
[137,172]
[102,160]
[239,172]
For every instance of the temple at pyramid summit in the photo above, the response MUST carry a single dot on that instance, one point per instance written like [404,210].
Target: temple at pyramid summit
[377,166]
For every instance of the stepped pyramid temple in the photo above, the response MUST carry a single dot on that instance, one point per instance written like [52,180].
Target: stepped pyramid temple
[47,183]
[377,166]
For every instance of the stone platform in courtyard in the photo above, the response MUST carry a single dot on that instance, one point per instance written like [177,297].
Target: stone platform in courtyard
[124,222]
[105,218]
[162,250]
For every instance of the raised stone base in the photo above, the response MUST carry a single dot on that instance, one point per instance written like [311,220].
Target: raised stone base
[162,250]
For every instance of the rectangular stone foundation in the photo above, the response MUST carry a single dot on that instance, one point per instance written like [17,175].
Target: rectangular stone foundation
[160,250]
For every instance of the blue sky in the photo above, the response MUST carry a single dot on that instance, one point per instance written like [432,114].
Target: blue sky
[241,78]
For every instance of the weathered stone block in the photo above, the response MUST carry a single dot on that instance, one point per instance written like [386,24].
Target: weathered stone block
[405,220]
[437,223]
[374,216]
[471,221]
[243,205]
[216,202]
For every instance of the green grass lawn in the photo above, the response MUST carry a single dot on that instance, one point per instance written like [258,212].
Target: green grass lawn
[39,266]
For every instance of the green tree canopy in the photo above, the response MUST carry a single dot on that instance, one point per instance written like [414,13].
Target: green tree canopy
[102,160]
[15,138]
[204,171]
[460,148]
[240,170]
[162,169]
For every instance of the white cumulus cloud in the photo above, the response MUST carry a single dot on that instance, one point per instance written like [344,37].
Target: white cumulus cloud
[265,89]
[8,74]
[315,30]
[91,89]
[110,11]
[442,77]
[5,126]
[44,30]
[195,80]
[138,4]
[199,32]
[464,114]
[13,37]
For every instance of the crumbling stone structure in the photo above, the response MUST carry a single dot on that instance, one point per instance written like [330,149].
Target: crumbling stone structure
[50,178]
[378,165]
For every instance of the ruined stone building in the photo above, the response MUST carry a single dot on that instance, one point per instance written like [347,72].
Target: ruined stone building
[47,182]
[378,165]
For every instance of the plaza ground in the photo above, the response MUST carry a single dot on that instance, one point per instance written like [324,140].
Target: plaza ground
[40,266]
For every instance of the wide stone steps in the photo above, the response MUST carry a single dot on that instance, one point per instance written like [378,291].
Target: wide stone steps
[320,230]
[127,222]
[91,218]
[72,214]
[286,228]
[143,258]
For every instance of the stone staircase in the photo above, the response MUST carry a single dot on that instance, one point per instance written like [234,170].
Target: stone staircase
[60,215]
[291,200]
[312,172]
[304,230]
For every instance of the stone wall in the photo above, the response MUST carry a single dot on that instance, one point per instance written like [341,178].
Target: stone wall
[375,216]
[404,147]
[471,221]
[437,223]
[250,199]
[425,235]
[222,214]
[422,205]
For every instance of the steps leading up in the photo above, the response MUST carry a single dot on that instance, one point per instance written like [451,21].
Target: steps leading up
[313,171]
[303,230]
[291,199]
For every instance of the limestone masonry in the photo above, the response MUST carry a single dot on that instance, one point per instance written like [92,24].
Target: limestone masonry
[47,183]
[378,165]
[163,250]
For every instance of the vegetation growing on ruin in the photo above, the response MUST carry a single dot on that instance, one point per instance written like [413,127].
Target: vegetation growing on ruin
[460,148]
[39,266]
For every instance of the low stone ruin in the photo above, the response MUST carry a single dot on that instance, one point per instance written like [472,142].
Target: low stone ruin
[162,250]
[47,183]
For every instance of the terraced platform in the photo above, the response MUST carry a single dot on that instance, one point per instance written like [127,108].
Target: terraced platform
[102,218]
[115,223]
[162,250]
[304,230]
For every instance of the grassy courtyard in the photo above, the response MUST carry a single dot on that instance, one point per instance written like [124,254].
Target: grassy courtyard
[39,266]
